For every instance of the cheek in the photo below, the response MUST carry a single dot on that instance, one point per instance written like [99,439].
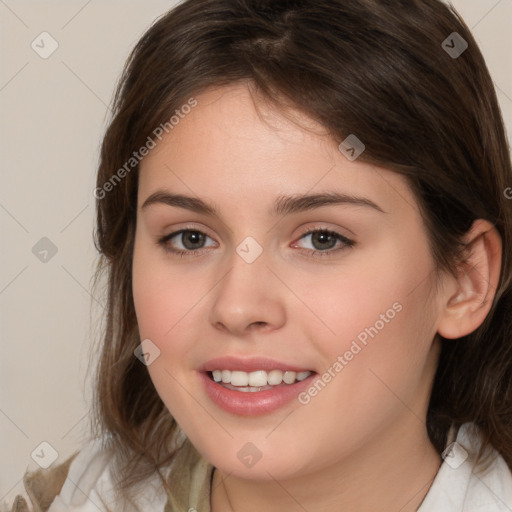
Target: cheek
[377,295]
[154,306]
[380,325]
[375,368]
[161,302]
[162,294]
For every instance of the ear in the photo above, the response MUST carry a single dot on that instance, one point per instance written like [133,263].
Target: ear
[469,297]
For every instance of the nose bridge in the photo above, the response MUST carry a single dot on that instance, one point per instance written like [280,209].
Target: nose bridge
[248,268]
[245,295]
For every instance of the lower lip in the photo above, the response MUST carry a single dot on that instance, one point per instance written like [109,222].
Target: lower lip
[253,403]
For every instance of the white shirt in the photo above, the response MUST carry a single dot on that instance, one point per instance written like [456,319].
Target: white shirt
[88,487]
[458,486]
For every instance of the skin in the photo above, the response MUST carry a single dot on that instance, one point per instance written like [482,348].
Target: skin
[361,443]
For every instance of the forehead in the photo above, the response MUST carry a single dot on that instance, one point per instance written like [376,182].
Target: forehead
[232,146]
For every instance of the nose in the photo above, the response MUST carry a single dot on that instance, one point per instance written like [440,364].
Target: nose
[248,298]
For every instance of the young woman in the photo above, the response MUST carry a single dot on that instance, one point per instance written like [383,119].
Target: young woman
[304,212]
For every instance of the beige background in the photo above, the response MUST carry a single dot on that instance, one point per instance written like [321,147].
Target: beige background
[53,113]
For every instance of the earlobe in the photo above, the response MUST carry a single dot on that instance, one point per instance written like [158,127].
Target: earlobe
[475,287]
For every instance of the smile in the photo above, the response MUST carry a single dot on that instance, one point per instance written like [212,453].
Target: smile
[246,400]
[258,380]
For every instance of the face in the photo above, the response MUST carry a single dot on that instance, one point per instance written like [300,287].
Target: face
[263,253]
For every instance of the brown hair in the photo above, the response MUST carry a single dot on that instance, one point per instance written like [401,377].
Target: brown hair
[362,67]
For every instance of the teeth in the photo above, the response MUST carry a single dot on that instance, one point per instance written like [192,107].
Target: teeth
[256,379]
[289,377]
[239,378]
[275,377]
[247,381]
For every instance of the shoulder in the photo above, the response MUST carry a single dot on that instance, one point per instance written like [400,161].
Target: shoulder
[65,485]
[89,487]
[83,483]
[87,478]
[40,488]
[490,488]
[462,485]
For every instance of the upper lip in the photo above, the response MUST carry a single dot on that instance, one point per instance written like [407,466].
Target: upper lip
[249,364]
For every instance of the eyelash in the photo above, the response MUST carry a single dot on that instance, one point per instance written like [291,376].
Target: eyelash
[316,253]
[348,244]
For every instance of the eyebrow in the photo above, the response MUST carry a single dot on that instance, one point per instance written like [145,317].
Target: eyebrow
[284,205]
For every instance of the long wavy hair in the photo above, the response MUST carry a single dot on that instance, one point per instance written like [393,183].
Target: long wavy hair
[374,68]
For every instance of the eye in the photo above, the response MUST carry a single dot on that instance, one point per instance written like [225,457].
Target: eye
[323,242]
[191,242]
[184,241]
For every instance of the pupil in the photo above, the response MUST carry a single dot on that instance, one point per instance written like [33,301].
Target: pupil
[194,237]
[320,238]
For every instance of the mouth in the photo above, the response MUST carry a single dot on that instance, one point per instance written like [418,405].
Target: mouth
[253,387]
[257,381]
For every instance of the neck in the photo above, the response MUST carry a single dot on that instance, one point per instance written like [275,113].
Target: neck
[392,472]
